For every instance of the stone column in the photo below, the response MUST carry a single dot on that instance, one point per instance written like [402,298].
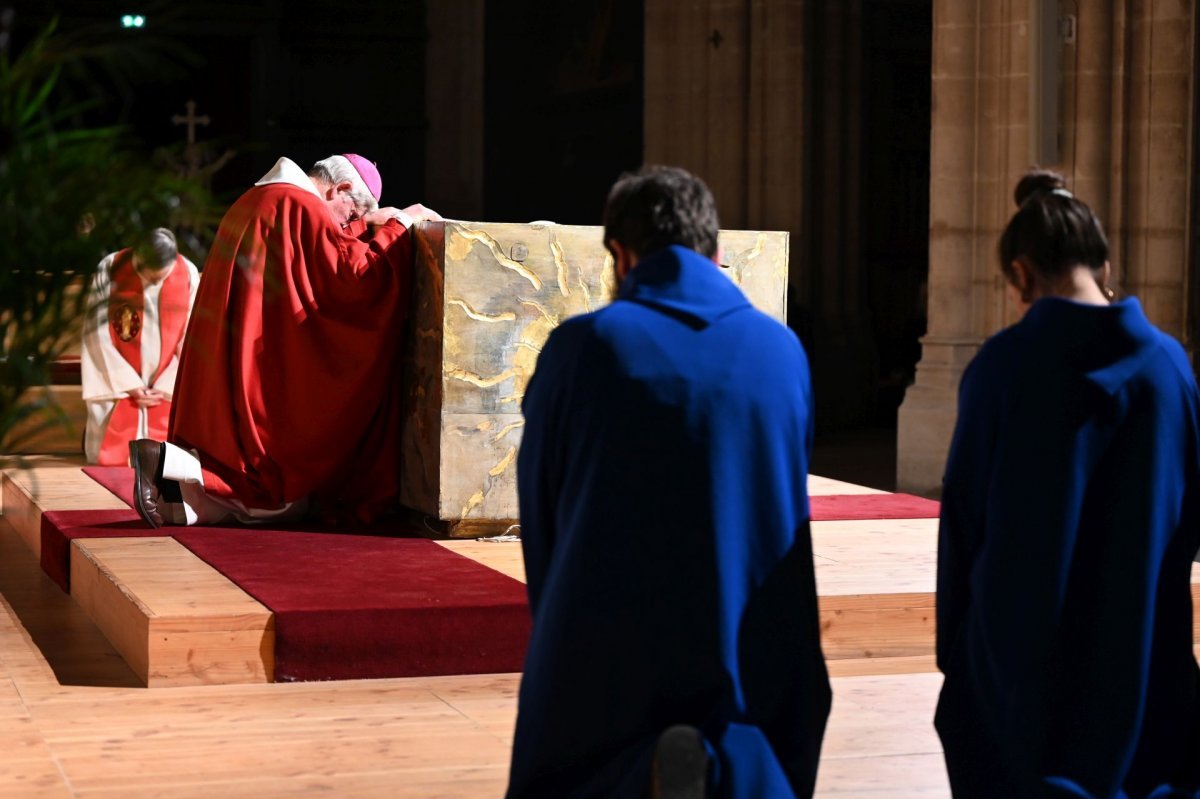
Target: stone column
[761,99]
[724,99]
[828,258]
[980,140]
[454,85]
[1124,136]
[1149,202]
[1126,133]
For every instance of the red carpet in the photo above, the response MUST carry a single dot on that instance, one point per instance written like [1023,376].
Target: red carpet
[117,479]
[855,507]
[346,606]
[357,606]
[349,606]
[60,527]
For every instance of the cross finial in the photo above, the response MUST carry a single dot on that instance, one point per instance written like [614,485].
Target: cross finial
[191,120]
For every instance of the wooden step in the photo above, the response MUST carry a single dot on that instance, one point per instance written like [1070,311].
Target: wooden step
[178,621]
[175,619]
[43,484]
[876,585]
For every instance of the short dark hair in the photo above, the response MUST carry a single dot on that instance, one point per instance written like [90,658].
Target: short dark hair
[658,206]
[1052,230]
[156,249]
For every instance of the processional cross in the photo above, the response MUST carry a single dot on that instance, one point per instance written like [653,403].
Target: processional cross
[191,153]
[191,120]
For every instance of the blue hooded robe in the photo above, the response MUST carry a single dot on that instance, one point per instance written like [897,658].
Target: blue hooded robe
[1069,525]
[664,520]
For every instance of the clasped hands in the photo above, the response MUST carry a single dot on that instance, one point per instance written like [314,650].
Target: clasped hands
[147,397]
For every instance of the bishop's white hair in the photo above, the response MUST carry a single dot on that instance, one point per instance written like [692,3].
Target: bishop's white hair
[336,169]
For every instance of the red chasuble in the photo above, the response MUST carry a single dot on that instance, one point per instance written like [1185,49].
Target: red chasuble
[289,381]
[126,318]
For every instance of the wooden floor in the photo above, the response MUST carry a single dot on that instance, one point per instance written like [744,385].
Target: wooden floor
[875,579]
[75,720]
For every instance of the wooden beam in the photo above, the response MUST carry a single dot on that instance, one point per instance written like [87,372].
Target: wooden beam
[175,619]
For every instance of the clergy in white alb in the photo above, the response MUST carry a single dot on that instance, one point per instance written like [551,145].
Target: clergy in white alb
[138,311]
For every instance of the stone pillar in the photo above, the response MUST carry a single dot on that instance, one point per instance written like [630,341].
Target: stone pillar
[454,87]
[761,99]
[979,139]
[1125,133]
[724,99]
[1151,122]
[829,260]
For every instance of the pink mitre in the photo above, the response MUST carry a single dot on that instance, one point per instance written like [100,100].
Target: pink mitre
[367,171]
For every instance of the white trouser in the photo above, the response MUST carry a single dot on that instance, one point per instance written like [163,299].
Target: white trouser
[200,508]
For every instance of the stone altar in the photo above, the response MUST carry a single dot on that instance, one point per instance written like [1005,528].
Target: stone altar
[486,296]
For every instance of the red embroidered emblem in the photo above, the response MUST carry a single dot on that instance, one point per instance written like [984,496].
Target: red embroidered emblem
[128,323]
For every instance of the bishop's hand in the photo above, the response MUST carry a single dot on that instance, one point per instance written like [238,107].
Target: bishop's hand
[407,217]
[420,213]
[380,216]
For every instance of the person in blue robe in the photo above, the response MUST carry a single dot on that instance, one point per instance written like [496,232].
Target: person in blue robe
[1068,530]
[665,525]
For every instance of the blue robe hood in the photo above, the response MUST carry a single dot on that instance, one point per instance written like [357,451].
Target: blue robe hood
[664,522]
[1070,520]
[685,284]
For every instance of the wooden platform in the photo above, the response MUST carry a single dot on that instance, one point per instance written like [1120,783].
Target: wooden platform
[75,723]
[47,483]
[177,621]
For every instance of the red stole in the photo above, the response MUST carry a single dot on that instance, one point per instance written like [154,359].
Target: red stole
[126,315]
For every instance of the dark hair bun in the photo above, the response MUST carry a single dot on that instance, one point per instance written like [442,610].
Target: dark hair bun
[1037,181]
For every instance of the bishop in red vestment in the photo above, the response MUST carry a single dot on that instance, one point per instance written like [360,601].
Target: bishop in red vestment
[289,393]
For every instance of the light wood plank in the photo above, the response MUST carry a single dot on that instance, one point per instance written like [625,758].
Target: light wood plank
[880,740]
[878,625]
[36,484]
[457,783]
[874,666]
[46,641]
[27,766]
[350,750]
[58,485]
[443,736]
[825,486]
[175,619]
[32,779]
[22,512]
[876,556]
[503,556]
[906,776]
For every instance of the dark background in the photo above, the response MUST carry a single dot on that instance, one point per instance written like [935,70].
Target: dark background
[303,79]
[563,117]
